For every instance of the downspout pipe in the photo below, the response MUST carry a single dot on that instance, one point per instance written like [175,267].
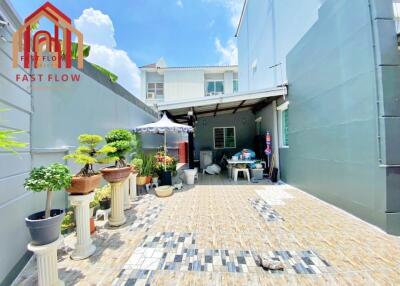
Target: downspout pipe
[379,95]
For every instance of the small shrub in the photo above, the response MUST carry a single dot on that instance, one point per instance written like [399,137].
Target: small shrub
[55,177]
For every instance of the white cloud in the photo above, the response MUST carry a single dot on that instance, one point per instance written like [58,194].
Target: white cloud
[228,55]
[97,28]
[98,32]
[179,3]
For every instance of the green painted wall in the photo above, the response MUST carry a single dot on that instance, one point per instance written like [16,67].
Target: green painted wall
[335,81]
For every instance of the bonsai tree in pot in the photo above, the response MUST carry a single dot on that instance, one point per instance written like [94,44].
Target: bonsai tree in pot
[44,226]
[88,154]
[121,141]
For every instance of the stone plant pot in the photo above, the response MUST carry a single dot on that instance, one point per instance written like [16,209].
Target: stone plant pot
[141,180]
[164,191]
[115,175]
[84,185]
[44,231]
[155,180]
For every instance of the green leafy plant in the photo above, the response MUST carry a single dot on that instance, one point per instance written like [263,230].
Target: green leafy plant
[55,177]
[148,164]
[112,76]
[7,139]
[68,222]
[136,144]
[138,165]
[103,193]
[88,154]
[121,140]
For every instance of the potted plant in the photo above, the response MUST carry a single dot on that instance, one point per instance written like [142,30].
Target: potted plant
[119,139]
[44,226]
[140,179]
[166,167]
[103,196]
[148,167]
[87,154]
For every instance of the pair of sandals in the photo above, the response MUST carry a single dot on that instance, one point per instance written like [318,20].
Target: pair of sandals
[267,263]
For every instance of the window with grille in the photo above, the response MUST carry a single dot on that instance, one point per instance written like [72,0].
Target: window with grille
[155,90]
[224,137]
[215,87]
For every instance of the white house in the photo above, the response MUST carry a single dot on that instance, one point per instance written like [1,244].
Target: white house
[161,83]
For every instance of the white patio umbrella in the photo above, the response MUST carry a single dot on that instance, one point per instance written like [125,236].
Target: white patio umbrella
[164,125]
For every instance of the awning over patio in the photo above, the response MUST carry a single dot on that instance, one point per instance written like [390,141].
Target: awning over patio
[224,104]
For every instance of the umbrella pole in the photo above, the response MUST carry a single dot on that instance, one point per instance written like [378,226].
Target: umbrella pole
[165,151]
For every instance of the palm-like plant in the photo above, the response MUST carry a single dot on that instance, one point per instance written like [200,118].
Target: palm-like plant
[7,139]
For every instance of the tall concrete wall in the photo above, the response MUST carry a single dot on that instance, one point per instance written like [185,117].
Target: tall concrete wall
[15,202]
[53,116]
[334,120]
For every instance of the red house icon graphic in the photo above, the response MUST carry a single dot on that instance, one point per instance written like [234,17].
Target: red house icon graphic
[33,45]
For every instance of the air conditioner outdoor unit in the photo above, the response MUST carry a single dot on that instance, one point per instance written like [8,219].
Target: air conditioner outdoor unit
[151,95]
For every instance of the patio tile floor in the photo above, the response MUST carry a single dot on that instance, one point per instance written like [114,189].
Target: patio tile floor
[209,234]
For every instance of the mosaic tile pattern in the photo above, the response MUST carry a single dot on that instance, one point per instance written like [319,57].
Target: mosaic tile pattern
[147,219]
[265,210]
[178,252]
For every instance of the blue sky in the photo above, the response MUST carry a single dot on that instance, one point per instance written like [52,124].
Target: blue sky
[127,34]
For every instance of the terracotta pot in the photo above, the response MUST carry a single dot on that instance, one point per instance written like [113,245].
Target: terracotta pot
[141,180]
[92,225]
[115,175]
[84,185]
[148,179]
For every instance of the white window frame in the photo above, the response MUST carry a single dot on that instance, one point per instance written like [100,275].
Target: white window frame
[281,108]
[214,92]
[155,89]
[224,128]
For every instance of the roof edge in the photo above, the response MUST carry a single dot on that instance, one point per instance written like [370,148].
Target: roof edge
[241,18]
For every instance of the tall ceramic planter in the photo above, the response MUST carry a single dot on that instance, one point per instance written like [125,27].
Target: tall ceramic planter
[116,176]
[44,231]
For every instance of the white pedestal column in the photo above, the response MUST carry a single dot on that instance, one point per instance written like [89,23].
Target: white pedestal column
[46,259]
[117,205]
[125,187]
[132,186]
[83,247]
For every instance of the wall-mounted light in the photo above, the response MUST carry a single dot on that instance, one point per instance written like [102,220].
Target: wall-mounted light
[190,113]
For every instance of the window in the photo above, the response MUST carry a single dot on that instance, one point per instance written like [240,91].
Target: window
[224,137]
[235,85]
[215,87]
[155,90]
[284,125]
